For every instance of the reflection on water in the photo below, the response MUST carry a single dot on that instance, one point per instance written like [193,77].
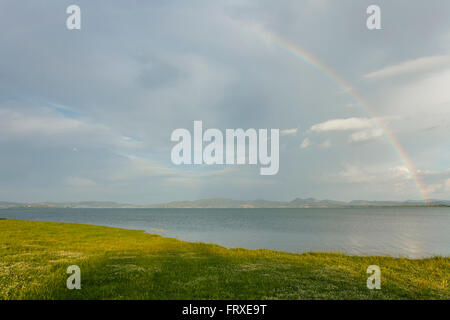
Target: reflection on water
[411,232]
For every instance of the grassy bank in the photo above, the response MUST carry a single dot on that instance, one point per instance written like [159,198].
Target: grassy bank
[127,264]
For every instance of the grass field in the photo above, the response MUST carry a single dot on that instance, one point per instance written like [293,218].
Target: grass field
[128,264]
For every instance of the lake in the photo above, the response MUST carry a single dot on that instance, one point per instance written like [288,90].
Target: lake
[409,232]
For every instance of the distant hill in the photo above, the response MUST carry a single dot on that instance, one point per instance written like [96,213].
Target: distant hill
[229,203]
[4,204]
[296,203]
[221,203]
[81,204]
[314,203]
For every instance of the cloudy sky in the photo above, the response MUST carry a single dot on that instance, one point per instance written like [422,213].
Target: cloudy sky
[87,114]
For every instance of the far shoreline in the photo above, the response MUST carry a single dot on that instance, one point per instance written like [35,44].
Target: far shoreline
[244,207]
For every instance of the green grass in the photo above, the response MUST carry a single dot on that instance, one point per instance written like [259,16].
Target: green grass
[129,264]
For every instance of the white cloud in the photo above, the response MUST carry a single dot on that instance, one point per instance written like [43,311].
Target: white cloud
[365,129]
[427,95]
[400,172]
[289,132]
[343,125]
[45,126]
[13,122]
[305,143]
[365,135]
[411,66]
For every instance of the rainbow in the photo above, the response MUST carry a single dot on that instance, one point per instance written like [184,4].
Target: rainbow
[308,58]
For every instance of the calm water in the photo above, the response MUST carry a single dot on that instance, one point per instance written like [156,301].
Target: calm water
[412,232]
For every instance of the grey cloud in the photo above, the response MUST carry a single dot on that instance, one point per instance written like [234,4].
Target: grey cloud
[136,71]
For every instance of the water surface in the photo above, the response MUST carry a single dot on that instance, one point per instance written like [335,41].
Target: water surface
[410,232]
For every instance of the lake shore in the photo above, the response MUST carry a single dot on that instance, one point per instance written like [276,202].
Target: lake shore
[129,264]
